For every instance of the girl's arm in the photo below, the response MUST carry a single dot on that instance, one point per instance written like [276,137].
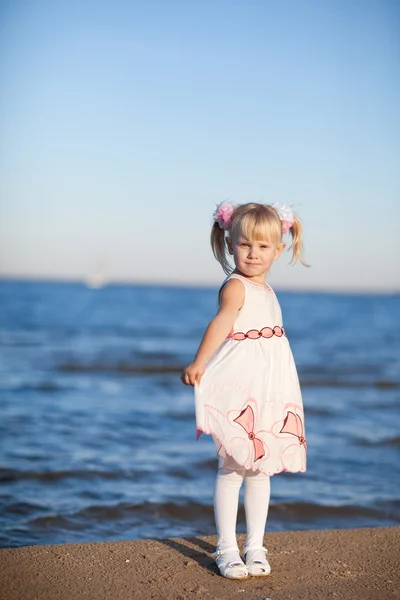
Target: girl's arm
[232,299]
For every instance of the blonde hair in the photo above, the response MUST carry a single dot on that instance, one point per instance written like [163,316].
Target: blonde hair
[256,222]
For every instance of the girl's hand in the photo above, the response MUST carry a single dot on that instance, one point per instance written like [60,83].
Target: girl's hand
[193,373]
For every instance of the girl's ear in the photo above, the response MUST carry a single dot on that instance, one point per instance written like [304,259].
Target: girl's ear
[229,245]
[279,250]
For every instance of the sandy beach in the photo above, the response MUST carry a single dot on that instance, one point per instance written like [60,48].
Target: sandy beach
[350,564]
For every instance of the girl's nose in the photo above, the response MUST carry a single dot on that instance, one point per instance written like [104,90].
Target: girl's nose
[252,253]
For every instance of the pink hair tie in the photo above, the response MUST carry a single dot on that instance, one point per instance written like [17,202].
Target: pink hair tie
[286,215]
[223,214]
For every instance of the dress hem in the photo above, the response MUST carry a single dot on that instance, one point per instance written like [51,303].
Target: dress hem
[200,430]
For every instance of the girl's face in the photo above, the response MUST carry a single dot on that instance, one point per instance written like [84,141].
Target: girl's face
[253,258]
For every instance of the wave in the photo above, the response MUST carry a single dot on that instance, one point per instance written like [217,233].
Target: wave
[42,386]
[386,384]
[195,512]
[208,463]
[120,368]
[154,368]
[23,508]
[308,510]
[9,475]
[319,411]
[390,441]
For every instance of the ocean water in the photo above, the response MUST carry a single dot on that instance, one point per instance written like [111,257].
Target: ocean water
[97,433]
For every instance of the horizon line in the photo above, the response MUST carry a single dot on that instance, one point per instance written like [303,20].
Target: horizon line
[188,284]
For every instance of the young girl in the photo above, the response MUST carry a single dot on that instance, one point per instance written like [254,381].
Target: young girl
[247,392]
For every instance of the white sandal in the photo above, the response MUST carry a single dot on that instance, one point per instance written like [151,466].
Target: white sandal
[230,566]
[256,561]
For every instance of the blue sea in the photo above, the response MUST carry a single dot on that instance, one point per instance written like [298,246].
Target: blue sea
[97,433]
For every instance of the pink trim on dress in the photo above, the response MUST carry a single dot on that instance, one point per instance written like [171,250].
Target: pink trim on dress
[261,287]
[291,459]
[285,468]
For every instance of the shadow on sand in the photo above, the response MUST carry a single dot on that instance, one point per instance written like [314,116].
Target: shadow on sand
[195,549]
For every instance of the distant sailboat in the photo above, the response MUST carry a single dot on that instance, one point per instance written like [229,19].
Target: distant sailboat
[97,279]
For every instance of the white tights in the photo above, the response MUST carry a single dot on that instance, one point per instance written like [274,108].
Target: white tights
[226,501]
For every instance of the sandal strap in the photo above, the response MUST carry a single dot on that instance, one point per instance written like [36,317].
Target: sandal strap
[221,552]
[230,565]
[256,561]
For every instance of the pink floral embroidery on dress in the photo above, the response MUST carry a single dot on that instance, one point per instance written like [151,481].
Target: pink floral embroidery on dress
[294,453]
[246,420]
[294,425]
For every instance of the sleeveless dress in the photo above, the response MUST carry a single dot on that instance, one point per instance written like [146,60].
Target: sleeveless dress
[249,397]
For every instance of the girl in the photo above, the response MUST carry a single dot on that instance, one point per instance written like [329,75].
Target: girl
[247,392]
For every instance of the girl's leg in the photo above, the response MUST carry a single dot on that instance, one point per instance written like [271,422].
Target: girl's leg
[226,500]
[256,503]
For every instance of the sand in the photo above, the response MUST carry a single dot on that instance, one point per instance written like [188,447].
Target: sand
[351,564]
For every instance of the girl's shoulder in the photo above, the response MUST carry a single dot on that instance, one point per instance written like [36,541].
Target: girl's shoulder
[234,285]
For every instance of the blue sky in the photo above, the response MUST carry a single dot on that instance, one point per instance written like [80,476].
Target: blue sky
[124,123]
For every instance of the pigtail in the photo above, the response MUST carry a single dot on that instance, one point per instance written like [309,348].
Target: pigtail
[296,231]
[218,246]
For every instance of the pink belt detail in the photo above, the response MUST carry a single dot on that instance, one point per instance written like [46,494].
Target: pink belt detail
[255,334]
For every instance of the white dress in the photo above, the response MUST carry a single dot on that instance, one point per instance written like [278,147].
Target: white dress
[249,397]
